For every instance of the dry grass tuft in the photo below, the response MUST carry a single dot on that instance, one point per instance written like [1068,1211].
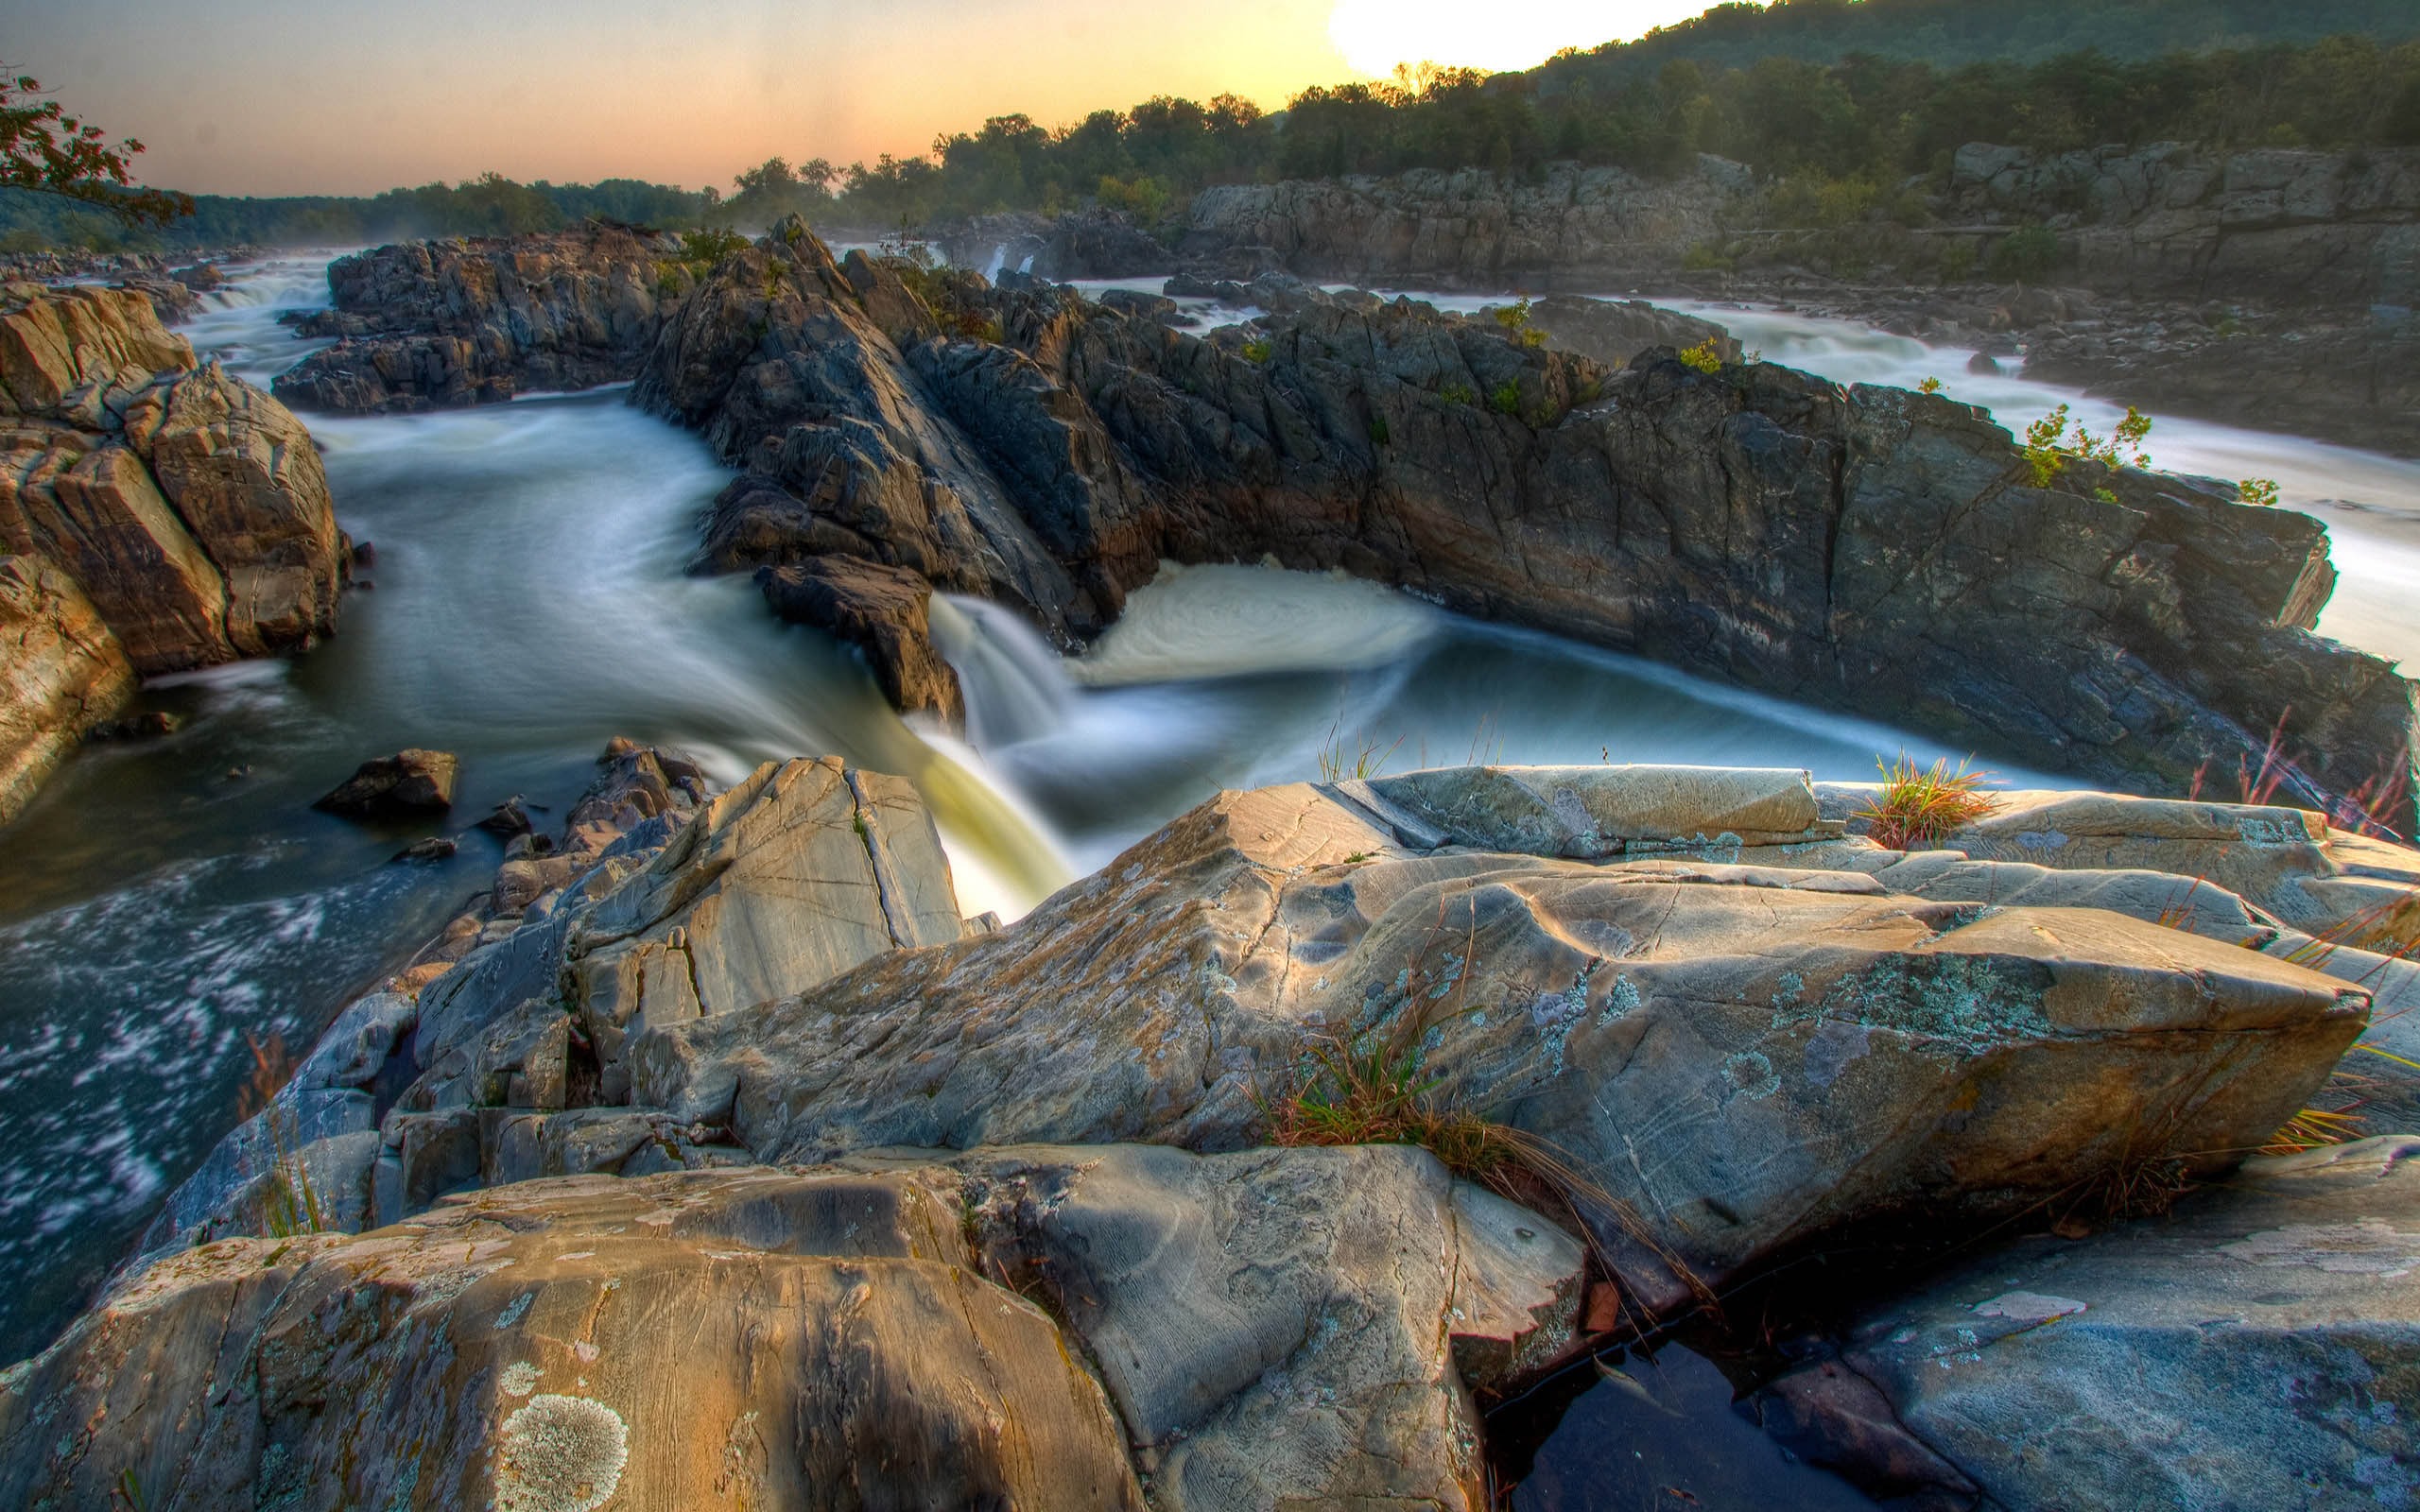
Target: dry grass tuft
[1917,807]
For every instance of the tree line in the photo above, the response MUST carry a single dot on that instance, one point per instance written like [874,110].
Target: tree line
[1840,135]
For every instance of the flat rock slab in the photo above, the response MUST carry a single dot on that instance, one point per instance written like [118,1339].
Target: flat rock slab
[2257,1348]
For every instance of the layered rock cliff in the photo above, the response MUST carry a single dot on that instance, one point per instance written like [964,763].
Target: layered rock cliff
[188,507]
[436,325]
[1865,548]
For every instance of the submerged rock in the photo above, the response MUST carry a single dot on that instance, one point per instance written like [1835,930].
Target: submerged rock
[407,783]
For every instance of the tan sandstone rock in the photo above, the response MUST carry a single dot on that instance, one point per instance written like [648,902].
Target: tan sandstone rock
[62,674]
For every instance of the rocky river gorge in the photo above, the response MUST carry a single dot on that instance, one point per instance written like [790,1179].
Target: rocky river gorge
[658,991]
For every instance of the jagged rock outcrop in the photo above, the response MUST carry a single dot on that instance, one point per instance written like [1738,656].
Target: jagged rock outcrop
[1613,330]
[2281,225]
[188,507]
[61,675]
[1865,548]
[436,324]
[2256,1348]
[886,614]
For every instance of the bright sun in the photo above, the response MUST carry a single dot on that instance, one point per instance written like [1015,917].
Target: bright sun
[1375,35]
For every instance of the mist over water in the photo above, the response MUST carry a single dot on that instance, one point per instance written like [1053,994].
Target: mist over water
[163,902]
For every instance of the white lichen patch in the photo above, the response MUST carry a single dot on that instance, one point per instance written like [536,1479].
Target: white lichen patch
[2369,1247]
[560,1454]
[520,1378]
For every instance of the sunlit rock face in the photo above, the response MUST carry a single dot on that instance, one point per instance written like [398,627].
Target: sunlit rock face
[716,1144]
[64,675]
[189,506]
[917,1330]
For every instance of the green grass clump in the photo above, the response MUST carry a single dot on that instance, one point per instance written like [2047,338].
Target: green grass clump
[1706,356]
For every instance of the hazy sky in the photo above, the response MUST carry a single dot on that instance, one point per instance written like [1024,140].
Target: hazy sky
[346,96]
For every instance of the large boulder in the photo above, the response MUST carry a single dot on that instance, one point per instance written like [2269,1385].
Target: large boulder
[245,477]
[747,1339]
[64,674]
[67,353]
[1814,1053]
[2257,1348]
[190,506]
[1614,331]
[437,324]
[1274,1328]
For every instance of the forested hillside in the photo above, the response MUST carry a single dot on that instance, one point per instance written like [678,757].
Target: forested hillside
[1843,98]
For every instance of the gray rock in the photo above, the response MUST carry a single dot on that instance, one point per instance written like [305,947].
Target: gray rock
[2257,1348]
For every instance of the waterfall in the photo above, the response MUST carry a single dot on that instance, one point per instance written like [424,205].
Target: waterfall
[1017,686]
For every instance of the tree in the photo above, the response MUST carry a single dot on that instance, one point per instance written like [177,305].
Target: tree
[45,151]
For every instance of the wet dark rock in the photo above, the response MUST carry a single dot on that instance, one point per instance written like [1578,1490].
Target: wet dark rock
[440,324]
[2257,1348]
[508,818]
[148,725]
[884,611]
[408,782]
[432,848]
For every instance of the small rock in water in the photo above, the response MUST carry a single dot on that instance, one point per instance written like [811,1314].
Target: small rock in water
[365,553]
[509,819]
[1983,365]
[144,726]
[408,783]
[434,847]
